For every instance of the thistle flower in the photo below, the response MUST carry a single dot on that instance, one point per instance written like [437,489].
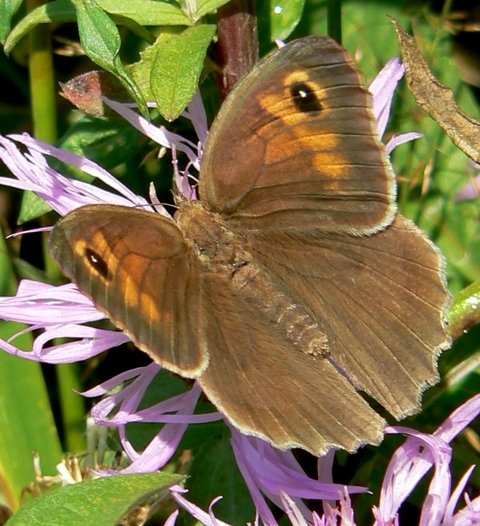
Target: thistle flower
[408,465]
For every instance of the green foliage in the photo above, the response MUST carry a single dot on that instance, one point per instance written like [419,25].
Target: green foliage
[177,66]
[102,502]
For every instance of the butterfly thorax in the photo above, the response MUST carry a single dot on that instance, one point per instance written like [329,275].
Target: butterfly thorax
[224,255]
[207,234]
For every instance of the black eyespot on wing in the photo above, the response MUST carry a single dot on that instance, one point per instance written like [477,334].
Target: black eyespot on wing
[97,263]
[304,97]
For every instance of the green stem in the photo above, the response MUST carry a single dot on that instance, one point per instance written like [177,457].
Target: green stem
[71,406]
[44,117]
[447,7]
[42,82]
[334,19]
[42,93]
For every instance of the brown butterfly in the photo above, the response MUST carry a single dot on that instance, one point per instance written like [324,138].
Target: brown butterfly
[292,282]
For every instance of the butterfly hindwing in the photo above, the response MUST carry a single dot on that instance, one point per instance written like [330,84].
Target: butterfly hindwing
[270,389]
[380,300]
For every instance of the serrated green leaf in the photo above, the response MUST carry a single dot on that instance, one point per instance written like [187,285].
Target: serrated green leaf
[285,15]
[143,12]
[176,68]
[8,9]
[147,12]
[102,502]
[100,39]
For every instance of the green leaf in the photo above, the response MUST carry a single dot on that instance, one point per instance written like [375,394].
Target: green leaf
[196,9]
[215,472]
[32,207]
[60,11]
[26,420]
[285,15]
[143,12]
[100,39]
[147,12]
[8,9]
[177,66]
[102,502]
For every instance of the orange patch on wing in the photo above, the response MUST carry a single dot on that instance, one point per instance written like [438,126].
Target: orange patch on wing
[100,246]
[128,277]
[331,163]
[100,243]
[321,148]
[148,308]
[79,247]
[299,75]
[297,133]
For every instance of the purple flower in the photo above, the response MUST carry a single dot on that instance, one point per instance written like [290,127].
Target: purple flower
[382,88]
[472,189]
[62,313]
[409,464]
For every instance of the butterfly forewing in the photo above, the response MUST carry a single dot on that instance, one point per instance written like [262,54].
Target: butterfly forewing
[295,145]
[136,267]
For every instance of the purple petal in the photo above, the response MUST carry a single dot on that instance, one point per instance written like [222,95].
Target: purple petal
[114,382]
[159,134]
[196,114]
[459,419]
[204,518]
[61,193]
[164,444]
[171,519]
[468,516]
[274,469]
[292,510]
[382,89]
[269,471]
[408,465]
[472,189]
[397,140]
[43,304]
[455,497]
[469,191]
[60,311]
[412,461]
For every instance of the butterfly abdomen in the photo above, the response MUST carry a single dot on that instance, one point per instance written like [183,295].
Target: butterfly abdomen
[254,284]
[224,253]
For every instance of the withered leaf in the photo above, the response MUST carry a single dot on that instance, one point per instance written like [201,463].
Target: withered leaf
[436,99]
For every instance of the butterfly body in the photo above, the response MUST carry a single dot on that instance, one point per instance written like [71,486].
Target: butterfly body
[222,252]
[292,283]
